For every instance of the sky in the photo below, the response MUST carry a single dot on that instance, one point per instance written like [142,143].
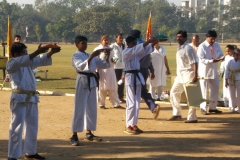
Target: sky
[177,2]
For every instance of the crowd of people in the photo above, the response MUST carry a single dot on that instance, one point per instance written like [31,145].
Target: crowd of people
[108,69]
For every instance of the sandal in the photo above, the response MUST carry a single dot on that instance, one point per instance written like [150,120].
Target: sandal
[91,137]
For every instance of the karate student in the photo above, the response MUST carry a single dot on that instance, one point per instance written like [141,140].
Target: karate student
[145,67]
[118,47]
[24,99]
[232,77]
[107,81]
[228,56]
[209,54]
[186,71]
[85,103]
[159,61]
[134,81]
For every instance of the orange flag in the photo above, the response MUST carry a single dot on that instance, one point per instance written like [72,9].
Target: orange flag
[149,27]
[9,39]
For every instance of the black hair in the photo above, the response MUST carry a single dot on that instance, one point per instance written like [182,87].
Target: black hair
[120,34]
[183,33]
[231,47]
[196,35]
[235,46]
[237,50]
[129,39]
[136,33]
[17,36]
[80,38]
[17,47]
[211,33]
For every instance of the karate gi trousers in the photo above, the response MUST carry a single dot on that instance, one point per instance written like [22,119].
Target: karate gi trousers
[85,109]
[132,104]
[23,118]
[234,91]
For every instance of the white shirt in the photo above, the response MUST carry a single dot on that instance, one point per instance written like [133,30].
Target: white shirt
[195,48]
[80,63]
[21,75]
[222,67]
[206,67]
[158,62]
[186,59]
[232,65]
[131,57]
[117,53]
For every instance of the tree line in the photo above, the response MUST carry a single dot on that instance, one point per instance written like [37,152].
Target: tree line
[61,20]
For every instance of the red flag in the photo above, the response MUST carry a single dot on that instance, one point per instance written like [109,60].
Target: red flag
[149,27]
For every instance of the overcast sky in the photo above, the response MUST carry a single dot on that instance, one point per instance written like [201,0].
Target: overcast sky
[177,2]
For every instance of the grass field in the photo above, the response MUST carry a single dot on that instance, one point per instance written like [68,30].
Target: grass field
[62,67]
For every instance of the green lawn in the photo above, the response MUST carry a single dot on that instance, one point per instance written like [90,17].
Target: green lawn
[62,67]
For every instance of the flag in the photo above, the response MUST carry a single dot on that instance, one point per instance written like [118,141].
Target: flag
[149,27]
[9,39]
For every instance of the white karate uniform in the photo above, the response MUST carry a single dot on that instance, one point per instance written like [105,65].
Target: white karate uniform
[24,117]
[131,57]
[234,84]
[157,58]
[186,59]
[107,81]
[222,69]
[85,103]
[208,69]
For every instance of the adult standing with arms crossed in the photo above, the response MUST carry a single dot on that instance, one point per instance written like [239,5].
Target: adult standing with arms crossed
[209,53]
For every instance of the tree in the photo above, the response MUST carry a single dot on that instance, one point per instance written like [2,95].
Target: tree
[102,20]
[37,30]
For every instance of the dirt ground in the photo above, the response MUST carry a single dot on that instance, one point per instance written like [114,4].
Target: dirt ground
[215,137]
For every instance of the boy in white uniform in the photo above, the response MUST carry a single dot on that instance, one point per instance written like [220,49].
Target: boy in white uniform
[85,103]
[222,69]
[134,81]
[24,99]
[232,77]
[186,71]
[209,53]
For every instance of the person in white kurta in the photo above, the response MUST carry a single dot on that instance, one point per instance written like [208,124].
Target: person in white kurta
[85,103]
[159,62]
[118,47]
[209,53]
[228,57]
[134,81]
[24,99]
[107,81]
[232,77]
[186,71]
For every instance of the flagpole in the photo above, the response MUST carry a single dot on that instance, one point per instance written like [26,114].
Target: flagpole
[9,39]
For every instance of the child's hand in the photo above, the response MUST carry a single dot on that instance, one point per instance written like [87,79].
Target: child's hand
[226,83]
[42,49]
[55,50]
